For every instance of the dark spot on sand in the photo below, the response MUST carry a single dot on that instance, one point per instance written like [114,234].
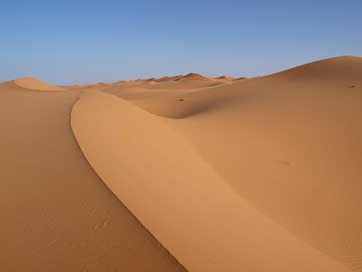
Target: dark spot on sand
[352,86]
[180,100]
[286,163]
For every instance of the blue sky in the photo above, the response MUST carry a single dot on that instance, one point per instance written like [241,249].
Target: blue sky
[64,42]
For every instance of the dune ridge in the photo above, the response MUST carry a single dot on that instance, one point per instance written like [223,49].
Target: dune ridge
[257,174]
[342,73]
[184,203]
[304,111]
[35,84]
[187,82]
[56,213]
[279,136]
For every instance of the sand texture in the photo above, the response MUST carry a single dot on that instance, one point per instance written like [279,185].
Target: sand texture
[185,172]
[56,214]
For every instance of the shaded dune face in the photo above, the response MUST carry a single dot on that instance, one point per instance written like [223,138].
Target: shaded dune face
[165,100]
[289,143]
[342,73]
[205,224]
[296,133]
[56,214]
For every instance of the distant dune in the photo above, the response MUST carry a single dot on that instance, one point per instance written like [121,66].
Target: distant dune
[193,76]
[211,174]
[35,84]
[225,78]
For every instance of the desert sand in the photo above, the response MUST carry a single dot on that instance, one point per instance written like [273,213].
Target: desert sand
[35,84]
[185,172]
[56,213]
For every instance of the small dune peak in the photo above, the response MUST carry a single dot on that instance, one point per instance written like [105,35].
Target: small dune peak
[225,78]
[35,84]
[151,80]
[161,79]
[101,84]
[169,78]
[194,76]
[240,78]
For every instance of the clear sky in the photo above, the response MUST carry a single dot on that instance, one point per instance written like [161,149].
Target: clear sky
[65,42]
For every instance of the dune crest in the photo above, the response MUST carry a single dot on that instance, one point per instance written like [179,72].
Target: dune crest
[225,78]
[193,76]
[294,133]
[327,70]
[341,73]
[179,198]
[260,174]
[35,84]
[56,213]
[291,146]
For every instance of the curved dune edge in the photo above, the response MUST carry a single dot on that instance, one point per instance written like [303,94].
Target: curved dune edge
[344,72]
[179,198]
[35,84]
[56,215]
[291,145]
[172,103]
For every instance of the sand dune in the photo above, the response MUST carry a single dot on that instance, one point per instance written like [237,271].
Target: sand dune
[191,81]
[290,144]
[183,83]
[165,98]
[89,87]
[56,214]
[226,78]
[344,69]
[295,133]
[35,84]
[337,74]
[193,76]
[184,202]
[258,174]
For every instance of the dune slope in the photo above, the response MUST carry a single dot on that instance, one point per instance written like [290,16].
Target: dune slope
[35,84]
[259,174]
[202,221]
[290,143]
[56,214]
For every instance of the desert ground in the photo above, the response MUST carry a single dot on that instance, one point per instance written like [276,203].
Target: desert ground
[184,173]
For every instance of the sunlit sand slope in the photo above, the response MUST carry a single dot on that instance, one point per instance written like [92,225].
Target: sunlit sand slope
[192,211]
[56,214]
[35,84]
[290,143]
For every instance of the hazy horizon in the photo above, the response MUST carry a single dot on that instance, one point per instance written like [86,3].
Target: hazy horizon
[67,43]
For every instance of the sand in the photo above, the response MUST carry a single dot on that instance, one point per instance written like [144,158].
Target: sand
[258,174]
[185,204]
[56,214]
[35,84]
